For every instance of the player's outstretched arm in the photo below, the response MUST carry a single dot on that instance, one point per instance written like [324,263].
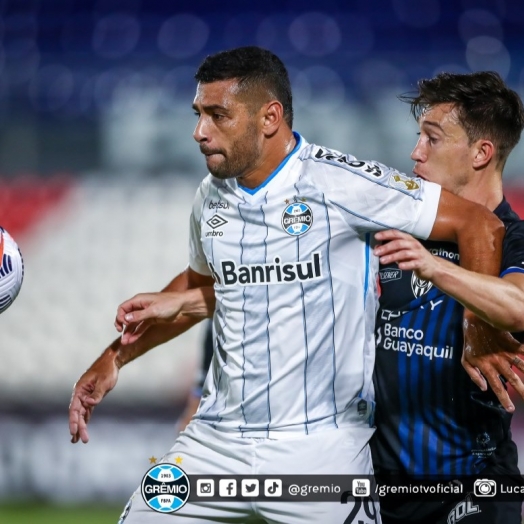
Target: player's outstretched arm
[498,301]
[102,375]
[89,390]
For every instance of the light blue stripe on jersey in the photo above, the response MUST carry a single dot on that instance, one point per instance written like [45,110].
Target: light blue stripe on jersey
[244,315]
[306,350]
[512,269]
[366,278]
[268,322]
[334,357]
[298,139]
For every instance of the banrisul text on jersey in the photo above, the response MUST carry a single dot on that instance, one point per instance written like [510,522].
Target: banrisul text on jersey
[276,273]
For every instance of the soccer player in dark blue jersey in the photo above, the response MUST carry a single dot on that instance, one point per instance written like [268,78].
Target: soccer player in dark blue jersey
[432,420]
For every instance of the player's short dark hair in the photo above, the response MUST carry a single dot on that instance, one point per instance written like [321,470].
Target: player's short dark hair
[255,69]
[486,106]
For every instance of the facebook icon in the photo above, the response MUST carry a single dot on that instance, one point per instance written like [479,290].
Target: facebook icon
[227,487]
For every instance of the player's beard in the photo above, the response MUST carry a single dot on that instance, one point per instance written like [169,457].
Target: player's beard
[243,156]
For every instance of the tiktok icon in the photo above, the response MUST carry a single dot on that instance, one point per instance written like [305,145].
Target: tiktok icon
[273,487]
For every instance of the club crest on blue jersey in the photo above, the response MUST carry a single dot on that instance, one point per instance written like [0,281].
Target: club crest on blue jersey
[419,286]
[297,219]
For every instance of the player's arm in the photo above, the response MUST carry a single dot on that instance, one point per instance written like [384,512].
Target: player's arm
[498,301]
[477,231]
[136,315]
[102,375]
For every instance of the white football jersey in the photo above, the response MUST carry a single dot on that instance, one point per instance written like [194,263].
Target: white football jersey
[296,288]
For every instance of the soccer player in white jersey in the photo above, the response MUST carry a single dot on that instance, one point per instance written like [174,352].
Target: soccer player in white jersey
[283,229]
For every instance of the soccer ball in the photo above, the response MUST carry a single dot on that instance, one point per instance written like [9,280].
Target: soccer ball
[11,270]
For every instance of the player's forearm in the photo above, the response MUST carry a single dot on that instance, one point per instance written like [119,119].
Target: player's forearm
[155,335]
[494,300]
[199,302]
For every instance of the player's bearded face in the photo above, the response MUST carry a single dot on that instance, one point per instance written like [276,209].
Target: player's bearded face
[236,157]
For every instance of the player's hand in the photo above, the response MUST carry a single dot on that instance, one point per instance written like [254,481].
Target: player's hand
[407,252]
[135,315]
[489,354]
[89,391]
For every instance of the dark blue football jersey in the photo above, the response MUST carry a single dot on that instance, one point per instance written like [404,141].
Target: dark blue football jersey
[431,418]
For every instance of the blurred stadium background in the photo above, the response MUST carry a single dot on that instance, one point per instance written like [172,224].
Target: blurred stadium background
[97,173]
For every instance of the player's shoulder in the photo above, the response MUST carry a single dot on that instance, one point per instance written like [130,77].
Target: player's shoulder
[208,182]
[335,162]
[513,223]
[202,193]
[514,231]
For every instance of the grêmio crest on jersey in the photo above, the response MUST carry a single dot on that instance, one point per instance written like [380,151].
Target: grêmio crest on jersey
[297,218]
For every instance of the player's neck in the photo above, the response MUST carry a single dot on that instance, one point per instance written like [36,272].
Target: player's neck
[484,188]
[275,150]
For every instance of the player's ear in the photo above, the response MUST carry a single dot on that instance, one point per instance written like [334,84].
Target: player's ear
[483,151]
[272,115]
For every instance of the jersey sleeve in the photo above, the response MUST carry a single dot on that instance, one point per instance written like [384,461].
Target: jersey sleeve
[197,257]
[373,197]
[513,249]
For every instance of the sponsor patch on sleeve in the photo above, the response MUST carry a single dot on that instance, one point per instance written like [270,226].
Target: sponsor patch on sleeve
[404,182]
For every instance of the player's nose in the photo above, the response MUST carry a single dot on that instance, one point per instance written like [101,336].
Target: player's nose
[418,154]
[200,133]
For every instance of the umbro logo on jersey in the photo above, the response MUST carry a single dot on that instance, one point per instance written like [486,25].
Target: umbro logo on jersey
[215,222]
[297,219]
[276,273]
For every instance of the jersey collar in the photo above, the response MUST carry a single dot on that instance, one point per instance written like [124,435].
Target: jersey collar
[299,141]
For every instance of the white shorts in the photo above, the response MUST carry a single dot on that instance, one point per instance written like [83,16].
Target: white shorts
[207,451]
